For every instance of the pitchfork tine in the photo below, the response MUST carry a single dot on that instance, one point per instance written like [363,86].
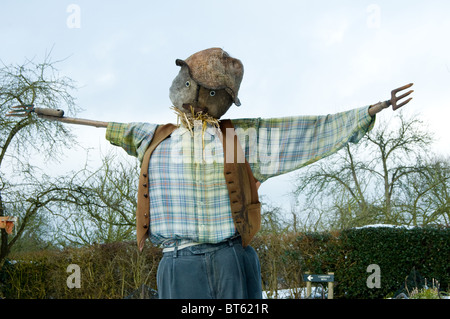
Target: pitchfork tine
[405,95]
[403,87]
[21,110]
[400,105]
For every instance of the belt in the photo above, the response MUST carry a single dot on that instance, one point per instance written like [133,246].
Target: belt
[199,248]
[167,250]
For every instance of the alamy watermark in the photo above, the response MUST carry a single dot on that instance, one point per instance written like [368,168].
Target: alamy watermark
[374,280]
[73,280]
[374,18]
[73,21]
[262,146]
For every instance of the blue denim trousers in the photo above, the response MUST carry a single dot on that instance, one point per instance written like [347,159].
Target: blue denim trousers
[210,271]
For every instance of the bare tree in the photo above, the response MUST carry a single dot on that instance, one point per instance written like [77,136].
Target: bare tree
[20,194]
[366,183]
[426,194]
[104,205]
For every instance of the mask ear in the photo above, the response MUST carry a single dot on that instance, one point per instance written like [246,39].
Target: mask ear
[183,89]
[237,102]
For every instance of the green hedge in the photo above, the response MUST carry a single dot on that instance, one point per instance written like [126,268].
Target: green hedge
[397,251]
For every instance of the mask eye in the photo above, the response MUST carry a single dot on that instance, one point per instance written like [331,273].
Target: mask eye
[187,84]
[212,93]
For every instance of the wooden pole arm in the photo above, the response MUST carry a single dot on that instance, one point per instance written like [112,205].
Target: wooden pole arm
[72,120]
[52,115]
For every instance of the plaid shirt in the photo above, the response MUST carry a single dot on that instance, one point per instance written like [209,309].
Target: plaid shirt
[188,196]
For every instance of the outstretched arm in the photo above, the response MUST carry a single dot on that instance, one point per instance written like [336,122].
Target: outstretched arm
[394,101]
[53,115]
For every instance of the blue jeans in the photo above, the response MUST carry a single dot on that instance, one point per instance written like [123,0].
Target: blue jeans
[210,271]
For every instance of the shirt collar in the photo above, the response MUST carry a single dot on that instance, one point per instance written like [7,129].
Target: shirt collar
[197,129]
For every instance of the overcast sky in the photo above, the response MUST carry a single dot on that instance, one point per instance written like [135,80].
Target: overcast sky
[300,57]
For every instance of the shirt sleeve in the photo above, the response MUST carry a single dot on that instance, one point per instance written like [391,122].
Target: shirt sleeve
[134,138]
[280,145]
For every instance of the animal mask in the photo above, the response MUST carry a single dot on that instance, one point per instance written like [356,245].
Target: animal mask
[208,82]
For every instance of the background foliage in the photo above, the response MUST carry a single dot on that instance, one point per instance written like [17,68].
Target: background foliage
[108,271]
[116,270]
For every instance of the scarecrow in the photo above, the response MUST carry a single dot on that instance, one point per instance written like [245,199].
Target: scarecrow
[197,194]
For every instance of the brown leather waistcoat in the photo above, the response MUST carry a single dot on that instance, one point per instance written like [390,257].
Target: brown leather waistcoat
[242,186]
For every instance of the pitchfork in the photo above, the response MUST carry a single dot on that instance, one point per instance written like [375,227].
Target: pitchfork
[51,114]
[394,101]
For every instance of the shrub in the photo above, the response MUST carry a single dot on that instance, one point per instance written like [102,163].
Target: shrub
[108,271]
[396,250]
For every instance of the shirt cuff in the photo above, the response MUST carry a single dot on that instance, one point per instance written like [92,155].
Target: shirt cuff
[114,133]
[367,120]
